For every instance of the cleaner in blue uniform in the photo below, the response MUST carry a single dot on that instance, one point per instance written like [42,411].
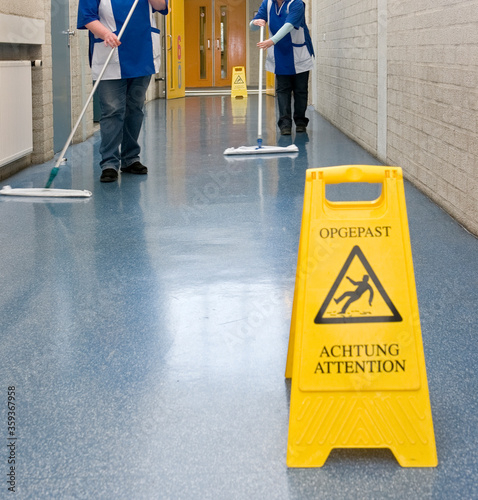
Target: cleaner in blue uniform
[289,56]
[122,90]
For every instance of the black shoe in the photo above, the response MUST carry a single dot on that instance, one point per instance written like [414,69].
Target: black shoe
[109,175]
[285,131]
[135,168]
[301,128]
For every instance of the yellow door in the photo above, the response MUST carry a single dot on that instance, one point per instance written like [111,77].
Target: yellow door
[215,41]
[175,50]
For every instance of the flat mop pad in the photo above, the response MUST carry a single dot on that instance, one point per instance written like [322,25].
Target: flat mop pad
[45,192]
[254,150]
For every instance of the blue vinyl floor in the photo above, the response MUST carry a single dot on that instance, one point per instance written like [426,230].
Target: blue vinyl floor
[145,330]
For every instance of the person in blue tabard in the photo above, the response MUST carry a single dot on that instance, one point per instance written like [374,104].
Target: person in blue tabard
[122,90]
[289,56]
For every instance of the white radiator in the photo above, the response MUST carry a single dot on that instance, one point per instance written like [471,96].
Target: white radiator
[16,124]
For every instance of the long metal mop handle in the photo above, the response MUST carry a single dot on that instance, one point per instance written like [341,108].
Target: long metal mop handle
[77,124]
[259,118]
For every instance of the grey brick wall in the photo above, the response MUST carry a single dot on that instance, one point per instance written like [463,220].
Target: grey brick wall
[429,94]
[345,39]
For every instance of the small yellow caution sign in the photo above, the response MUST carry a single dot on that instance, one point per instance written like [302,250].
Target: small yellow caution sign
[355,349]
[239,87]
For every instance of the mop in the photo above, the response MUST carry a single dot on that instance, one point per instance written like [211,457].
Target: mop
[48,192]
[260,149]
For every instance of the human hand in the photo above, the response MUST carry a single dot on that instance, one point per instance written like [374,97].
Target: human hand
[101,31]
[265,44]
[111,40]
[259,22]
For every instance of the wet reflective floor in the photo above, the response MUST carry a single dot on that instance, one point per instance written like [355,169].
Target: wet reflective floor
[145,330]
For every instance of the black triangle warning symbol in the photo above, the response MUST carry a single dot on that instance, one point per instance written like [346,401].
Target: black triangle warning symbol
[353,292]
[238,81]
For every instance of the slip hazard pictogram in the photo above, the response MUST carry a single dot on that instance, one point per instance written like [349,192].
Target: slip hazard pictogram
[357,295]
[239,81]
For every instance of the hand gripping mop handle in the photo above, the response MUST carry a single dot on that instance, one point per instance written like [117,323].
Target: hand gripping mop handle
[259,118]
[70,138]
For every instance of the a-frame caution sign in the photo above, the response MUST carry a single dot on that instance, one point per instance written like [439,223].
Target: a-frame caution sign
[355,349]
[239,86]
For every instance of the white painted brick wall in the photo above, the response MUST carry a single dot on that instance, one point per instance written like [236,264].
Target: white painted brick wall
[345,39]
[431,89]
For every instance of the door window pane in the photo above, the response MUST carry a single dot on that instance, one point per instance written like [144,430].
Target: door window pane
[223,42]
[202,43]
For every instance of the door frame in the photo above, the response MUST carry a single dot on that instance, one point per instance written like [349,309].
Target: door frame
[61,73]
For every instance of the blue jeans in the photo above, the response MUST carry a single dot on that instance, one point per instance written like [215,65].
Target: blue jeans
[121,103]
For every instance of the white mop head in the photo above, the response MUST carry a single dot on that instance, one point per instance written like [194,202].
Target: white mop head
[45,192]
[254,150]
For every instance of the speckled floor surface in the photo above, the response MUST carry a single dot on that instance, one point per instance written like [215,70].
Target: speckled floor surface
[145,330]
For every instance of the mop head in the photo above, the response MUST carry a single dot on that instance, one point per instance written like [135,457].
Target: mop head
[254,150]
[45,192]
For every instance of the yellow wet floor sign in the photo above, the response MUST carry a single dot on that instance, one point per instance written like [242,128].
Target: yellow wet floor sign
[238,87]
[355,348]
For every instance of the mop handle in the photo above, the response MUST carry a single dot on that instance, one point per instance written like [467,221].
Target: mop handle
[110,55]
[261,62]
